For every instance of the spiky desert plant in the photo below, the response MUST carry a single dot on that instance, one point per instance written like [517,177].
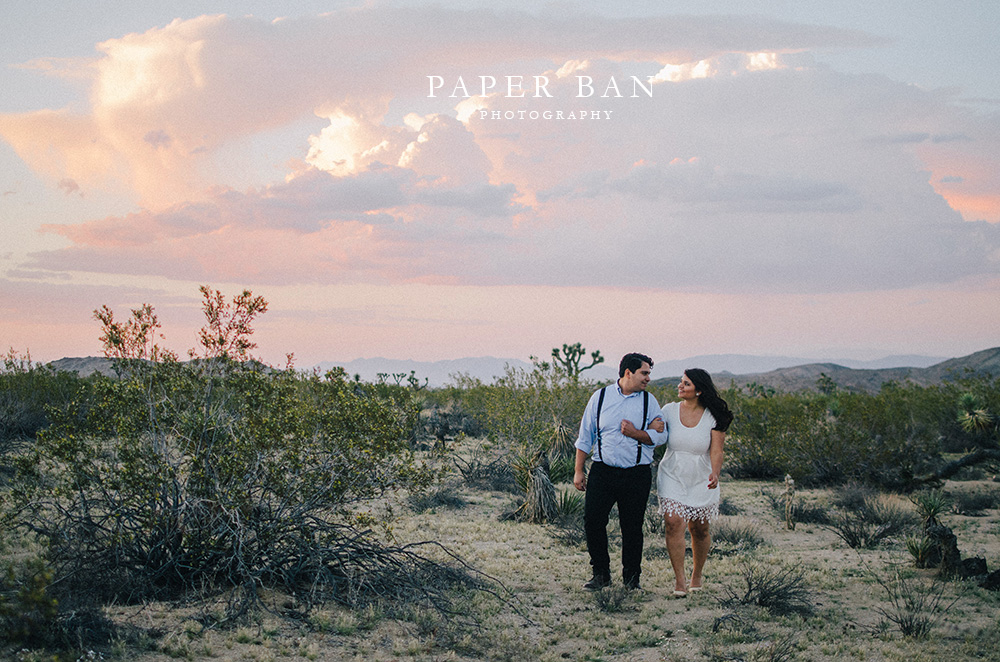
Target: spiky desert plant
[540,500]
[562,440]
[921,548]
[930,504]
[569,504]
[973,416]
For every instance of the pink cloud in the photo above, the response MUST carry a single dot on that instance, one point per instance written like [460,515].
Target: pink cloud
[163,101]
[794,176]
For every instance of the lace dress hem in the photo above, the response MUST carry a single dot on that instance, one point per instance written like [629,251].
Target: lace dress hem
[687,513]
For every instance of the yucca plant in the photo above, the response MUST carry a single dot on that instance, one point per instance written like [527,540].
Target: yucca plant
[569,504]
[561,469]
[973,416]
[922,549]
[562,440]
[930,504]
[540,499]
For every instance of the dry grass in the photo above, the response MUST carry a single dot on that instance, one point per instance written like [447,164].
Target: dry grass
[559,621]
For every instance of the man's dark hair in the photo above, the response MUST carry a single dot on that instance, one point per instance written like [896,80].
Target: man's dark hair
[633,362]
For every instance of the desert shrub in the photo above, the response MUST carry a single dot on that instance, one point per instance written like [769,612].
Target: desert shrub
[885,440]
[529,417]
[808,513]
[890,439]
[974,503]
[778,588]
[854,496]
[805,512]
[183,480]
[912,607]
[443,496]
[869,525]
[486,468]
[615,599]
[28,612]
[728,507]
[736,536]
[540,408]
[27,392]
[764,431]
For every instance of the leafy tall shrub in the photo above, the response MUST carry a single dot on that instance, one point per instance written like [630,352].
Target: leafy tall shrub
[887,439]
[27,391]
[767,432]
[183,479]
[530,418]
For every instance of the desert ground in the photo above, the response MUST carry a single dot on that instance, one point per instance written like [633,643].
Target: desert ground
[540,612]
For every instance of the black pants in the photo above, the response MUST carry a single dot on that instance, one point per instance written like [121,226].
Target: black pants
[629,488]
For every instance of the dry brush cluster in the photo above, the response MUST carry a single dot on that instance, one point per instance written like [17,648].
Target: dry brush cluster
[220,477]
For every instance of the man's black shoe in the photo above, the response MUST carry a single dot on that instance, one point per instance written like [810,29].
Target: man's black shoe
[633,584]
[597,582]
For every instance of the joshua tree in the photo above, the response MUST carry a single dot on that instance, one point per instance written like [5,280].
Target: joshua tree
[974,417]
[571,355]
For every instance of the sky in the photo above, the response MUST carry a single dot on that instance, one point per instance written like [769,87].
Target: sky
[435,180]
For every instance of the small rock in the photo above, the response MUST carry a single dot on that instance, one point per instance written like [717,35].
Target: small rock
[974,566]
[992,581]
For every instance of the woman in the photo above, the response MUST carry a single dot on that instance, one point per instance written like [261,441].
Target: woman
[687,480]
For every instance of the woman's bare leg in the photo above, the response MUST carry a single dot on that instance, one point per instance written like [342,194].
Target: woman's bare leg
[675,526]
[701,542]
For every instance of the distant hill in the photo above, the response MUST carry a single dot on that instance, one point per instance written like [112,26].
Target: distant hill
[775,372]
[85,366]
[804,377]
[487,368]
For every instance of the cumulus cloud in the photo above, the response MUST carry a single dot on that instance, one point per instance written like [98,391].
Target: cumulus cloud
[191,86]
[746,167]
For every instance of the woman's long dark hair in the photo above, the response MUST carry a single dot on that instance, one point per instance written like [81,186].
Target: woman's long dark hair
[709,398]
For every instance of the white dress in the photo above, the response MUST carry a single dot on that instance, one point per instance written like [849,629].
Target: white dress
[682,477]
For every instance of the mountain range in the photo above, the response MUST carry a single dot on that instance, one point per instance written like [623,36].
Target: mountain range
[778,372]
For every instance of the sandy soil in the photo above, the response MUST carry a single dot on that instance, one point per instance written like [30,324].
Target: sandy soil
[556,620]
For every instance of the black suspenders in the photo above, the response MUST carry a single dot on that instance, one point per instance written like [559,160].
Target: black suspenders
[645,410]
[645,413]
[600,404]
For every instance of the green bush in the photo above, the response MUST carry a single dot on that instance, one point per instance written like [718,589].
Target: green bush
[887,439]
[539,409]
[974,503]
[28,612]
[736,536]
[181,480]
[27,392]
[767,432]
[874,522]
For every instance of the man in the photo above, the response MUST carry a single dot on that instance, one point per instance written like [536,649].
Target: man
[614,431]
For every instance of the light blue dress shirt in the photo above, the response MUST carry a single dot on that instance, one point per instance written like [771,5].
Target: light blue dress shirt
[617,450]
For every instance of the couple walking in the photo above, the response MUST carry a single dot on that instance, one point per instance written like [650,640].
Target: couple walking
[621,426]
